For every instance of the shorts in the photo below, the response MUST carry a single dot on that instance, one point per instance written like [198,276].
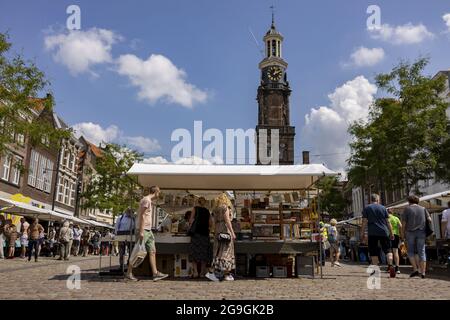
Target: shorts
[395,242]
[149,241]
[416,244]
[375,241]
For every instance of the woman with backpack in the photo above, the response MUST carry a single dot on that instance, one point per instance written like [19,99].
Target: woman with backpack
[334,244]
[65,236]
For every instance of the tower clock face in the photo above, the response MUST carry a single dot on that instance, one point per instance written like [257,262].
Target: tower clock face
[275,73]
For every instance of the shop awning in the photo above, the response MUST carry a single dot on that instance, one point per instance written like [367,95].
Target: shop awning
[27,210]
[99,224]
[443,196]
[231,177]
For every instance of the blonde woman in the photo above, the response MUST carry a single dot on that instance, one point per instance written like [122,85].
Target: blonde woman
[223,249]
[334,244]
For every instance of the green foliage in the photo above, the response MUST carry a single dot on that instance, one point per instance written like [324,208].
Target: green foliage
[20,82]
[401,142]
[331,198]
[110,188]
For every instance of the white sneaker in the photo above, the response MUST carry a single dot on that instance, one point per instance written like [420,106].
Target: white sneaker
[337,264]
[212,277]
[229,278]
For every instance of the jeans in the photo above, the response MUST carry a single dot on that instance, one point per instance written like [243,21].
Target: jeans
[416,244]
[75,247]
[33,244]
[64,250]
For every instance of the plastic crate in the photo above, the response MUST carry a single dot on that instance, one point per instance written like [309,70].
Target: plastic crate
[305,266]
[262,271]
[279,272]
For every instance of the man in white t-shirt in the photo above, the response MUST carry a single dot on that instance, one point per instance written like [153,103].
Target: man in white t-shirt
[445,224]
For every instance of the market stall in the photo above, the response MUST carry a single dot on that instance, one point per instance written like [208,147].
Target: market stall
[275,210]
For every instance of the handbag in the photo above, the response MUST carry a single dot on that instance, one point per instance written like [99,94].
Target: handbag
[428,229]
[224,237]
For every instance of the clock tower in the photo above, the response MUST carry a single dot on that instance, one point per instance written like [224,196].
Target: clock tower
[273,98]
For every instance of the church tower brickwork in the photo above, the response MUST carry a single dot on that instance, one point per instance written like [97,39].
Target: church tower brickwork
[273,98]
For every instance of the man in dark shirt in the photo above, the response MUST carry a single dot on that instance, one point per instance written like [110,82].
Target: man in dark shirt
[376,218]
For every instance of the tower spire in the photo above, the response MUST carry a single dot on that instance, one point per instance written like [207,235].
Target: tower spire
[272,7]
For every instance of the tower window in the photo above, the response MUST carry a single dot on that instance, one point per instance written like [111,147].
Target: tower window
[268,49]
[279,48]
[274,48]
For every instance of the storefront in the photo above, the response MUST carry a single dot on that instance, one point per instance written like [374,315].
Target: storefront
[275,210]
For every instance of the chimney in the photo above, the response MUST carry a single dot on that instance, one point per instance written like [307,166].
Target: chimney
[305,157]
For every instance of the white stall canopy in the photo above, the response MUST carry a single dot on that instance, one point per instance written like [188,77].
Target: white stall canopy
[229,177]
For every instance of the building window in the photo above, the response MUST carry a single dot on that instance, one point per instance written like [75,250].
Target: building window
[72,162]
[40,173]
[16,172]
[20,139]
[6,167]
[72,194]
[66,191]
[274,48]
[33,168]
[48,176]
[60,189]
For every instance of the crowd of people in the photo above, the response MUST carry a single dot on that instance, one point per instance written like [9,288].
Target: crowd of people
[214,262]
[30,239]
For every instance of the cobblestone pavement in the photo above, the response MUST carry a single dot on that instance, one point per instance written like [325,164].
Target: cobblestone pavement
[47,279]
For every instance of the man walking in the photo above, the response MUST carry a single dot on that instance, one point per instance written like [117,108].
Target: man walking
[414,229]
[376,219]
[33,235]
[145,234]
[125,226]
[396,228]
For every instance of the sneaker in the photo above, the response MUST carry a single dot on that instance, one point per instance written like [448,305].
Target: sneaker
[414,274]
[211,276]
[130,277]
[422,276]
[337,264]
[160,276]
[397,270]
[228,278]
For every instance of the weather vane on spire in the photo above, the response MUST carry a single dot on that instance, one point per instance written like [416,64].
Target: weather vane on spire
[272,7]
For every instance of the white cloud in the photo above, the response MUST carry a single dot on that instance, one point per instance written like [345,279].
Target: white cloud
[326,126]
[155,160]
[405,34]
[157,78]
[96,134]
[365,57]
[446,18]
[143,144]
[80,50]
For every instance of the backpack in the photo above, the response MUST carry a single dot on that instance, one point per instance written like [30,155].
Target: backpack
[332,234]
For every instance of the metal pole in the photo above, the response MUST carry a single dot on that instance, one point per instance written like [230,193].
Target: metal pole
[320,244]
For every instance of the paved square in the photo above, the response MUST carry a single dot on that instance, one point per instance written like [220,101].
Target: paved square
[47,279]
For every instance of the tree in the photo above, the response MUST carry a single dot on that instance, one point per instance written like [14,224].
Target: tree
[330,197]
[20,82]
[401,142]
[110,188]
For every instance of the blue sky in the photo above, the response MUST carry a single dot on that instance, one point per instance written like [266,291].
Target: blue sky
[210,41]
